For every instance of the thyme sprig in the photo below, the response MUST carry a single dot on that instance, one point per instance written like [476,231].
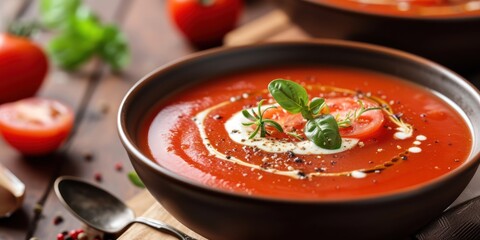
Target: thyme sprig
[295,135]
[257,118]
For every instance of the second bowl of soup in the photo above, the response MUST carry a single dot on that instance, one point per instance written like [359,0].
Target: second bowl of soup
[444,31]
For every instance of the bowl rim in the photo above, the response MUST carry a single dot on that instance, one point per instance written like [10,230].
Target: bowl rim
[472,161]
[426,18]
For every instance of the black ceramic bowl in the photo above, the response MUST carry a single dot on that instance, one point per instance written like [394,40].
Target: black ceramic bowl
[450,40]
[217,214]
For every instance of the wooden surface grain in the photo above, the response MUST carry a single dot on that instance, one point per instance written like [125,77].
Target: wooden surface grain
[145,205]
[94,92]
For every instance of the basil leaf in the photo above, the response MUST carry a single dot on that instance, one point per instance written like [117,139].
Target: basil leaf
[57,13]
[114,49]
[69,52]
[288,94]
[306,114]
[74,46]
[316,105]
[323,132]
[81,35]
[86,25]
[135,179]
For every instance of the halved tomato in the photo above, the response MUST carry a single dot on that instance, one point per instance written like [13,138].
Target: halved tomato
[35,126]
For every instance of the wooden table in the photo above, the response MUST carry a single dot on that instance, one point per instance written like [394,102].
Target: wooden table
[95,94]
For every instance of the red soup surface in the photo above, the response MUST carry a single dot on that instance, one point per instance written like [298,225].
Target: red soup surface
[410,136]
[427,8]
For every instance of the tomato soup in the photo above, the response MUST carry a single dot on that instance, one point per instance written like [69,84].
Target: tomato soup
[395,135]
[427,8]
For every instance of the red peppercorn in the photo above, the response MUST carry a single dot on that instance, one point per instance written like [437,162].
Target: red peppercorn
[60,237]
[119,166]
[57,220]
[73,234]
[98,177]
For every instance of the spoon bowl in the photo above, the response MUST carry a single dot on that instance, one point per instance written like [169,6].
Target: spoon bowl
[101,210]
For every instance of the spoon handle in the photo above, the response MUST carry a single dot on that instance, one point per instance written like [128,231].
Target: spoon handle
[163,227]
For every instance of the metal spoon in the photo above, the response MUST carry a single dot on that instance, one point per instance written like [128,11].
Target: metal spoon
[101,210]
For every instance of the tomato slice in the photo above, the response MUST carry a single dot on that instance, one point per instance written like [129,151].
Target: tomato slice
[364,126]
[35,126]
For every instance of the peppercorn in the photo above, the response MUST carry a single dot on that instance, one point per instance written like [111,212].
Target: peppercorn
[57,220]
[98,177]
[119,167]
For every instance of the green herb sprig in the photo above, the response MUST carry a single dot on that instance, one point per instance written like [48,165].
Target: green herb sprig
[80,35]
[321,129]
[135,179]
[352,116]
[258,119]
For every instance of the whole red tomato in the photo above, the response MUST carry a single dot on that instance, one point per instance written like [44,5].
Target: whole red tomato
[23,66]
[205,22]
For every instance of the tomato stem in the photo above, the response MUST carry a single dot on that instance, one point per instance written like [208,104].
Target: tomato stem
[23,29]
